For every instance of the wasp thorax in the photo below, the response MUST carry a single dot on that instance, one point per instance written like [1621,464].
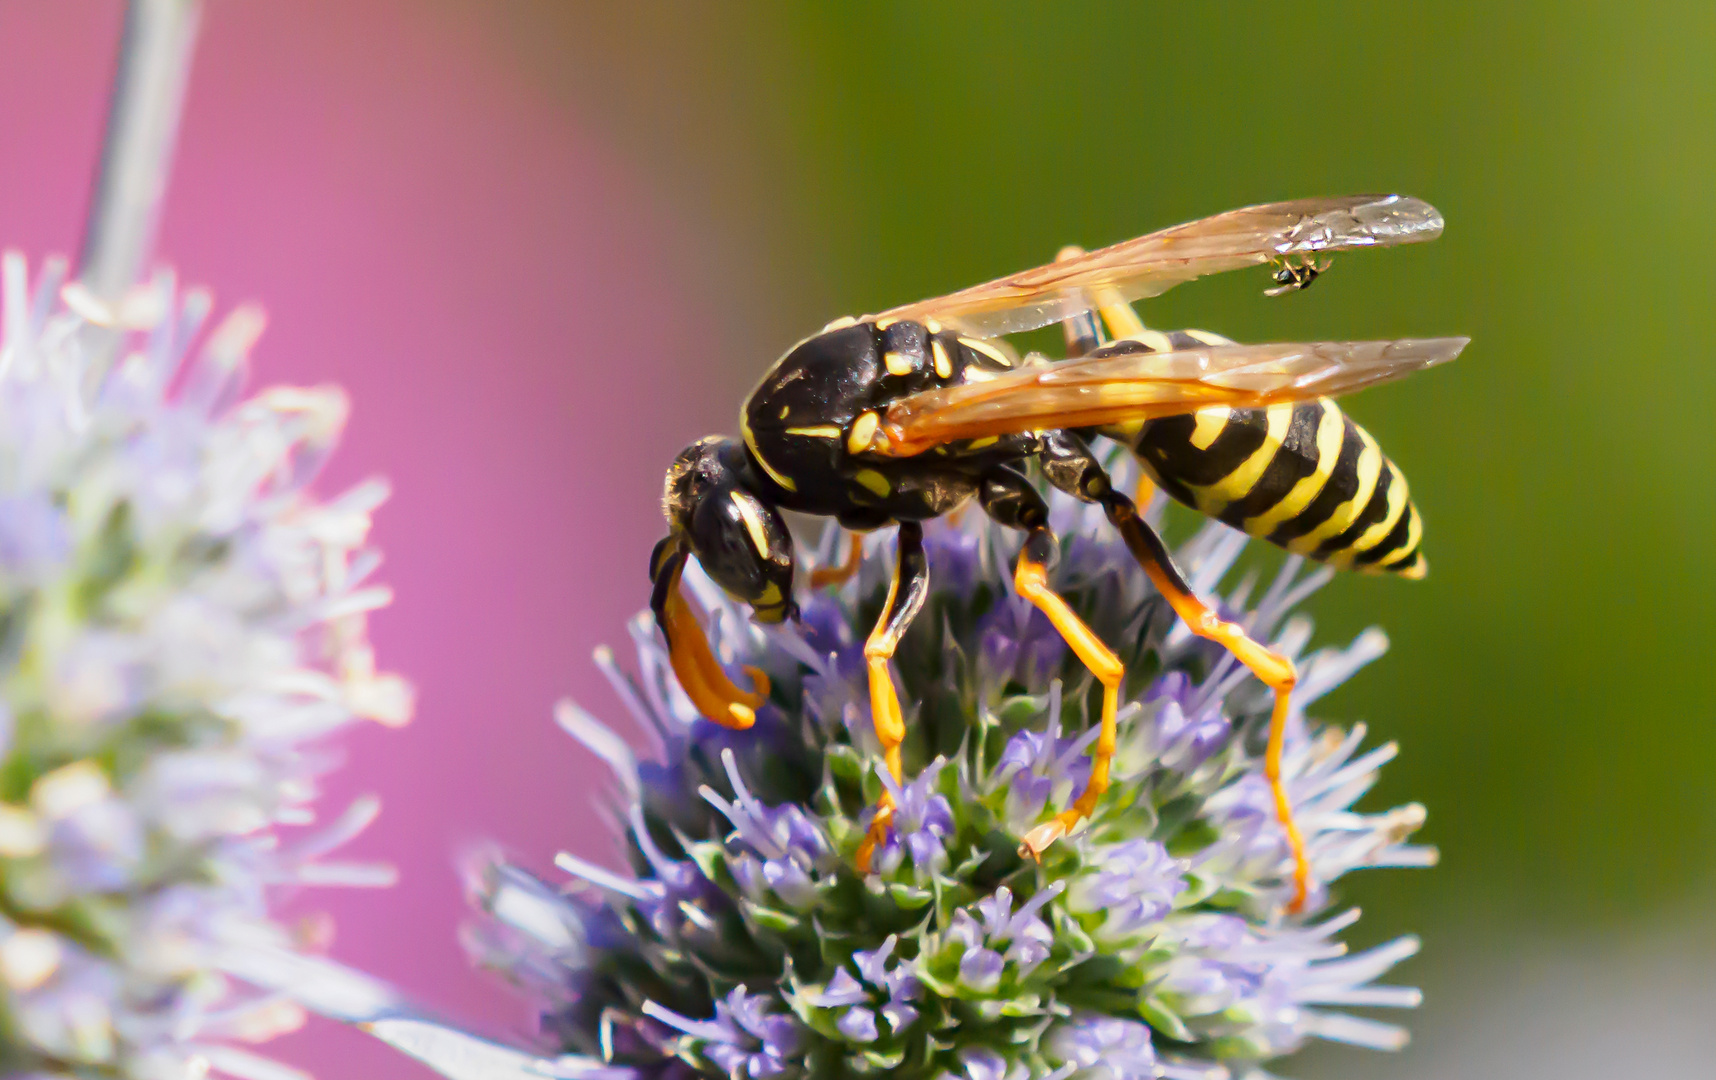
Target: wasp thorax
[739,539]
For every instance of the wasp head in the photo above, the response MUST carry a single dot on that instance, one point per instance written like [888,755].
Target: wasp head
[739,538]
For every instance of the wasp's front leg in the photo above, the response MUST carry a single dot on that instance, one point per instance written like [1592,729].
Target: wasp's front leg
[905,599]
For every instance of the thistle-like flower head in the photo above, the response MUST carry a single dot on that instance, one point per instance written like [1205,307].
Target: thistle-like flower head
[1152,942]
[180,626]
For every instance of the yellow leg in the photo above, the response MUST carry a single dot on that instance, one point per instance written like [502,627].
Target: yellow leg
[906,596]
[1274,670]
[1122,321]
[891,732]
[1030,578]
[840,575]
[700,674]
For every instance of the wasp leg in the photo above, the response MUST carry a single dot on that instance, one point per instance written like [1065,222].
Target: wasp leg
[1121,319]
[1276,671]
[694,665]
[840,575]
[1082,332]
[1009,498]
[905,598]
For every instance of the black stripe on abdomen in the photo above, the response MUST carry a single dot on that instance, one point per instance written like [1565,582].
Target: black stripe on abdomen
[1302,476]
[1167,445]
[1375,509]
[1392,541]
[1294,460]
[1342,485]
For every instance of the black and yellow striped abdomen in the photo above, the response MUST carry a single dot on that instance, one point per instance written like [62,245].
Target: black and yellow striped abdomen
[1300,475]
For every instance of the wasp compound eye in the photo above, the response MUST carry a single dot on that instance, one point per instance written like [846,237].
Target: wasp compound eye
[741,542]
[745,547]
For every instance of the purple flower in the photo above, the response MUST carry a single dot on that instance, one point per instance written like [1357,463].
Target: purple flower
[955,556]
[859,1025]
[982,1063]
[922,818]
[1017,643]
[787,847]
[954,957]
[33,533]
[989,935]
[745,1038]
[980,969]
[900,985]
[1272,979]
[1131,885]
[1105,1048]
[1036,766]
[1184,740]
[894,989]
[187,629]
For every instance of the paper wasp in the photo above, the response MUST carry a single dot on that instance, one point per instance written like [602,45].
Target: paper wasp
[896,418]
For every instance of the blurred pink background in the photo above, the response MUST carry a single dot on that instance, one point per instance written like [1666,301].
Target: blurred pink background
[434,231]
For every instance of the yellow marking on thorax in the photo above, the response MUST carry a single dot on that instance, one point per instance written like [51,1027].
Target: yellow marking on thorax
[988,349]
[753,518]
[784,410]
[840,324]
[973,373]
[1208,424]
[883,324]
[943,365]
[1368,468]
[932,326]
[1329,432]
[898,363]
[863,429]
[1214,498]
[979,444]
[1397,500]
[819,431]
[873,481]
[751,441]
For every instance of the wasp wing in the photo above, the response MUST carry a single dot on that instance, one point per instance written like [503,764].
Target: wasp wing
[1120,388]
[1153,264]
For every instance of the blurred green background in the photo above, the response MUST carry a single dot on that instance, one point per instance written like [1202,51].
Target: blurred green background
[1547,680]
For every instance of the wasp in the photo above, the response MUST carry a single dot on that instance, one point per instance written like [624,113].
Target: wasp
[897,418]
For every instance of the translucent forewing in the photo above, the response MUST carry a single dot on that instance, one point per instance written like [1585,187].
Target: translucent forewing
[1152,264]
[1118,389]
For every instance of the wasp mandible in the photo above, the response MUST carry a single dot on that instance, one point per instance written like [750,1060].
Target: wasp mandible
[897,418]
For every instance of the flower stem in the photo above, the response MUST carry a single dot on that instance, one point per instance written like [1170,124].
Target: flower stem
[143,117]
